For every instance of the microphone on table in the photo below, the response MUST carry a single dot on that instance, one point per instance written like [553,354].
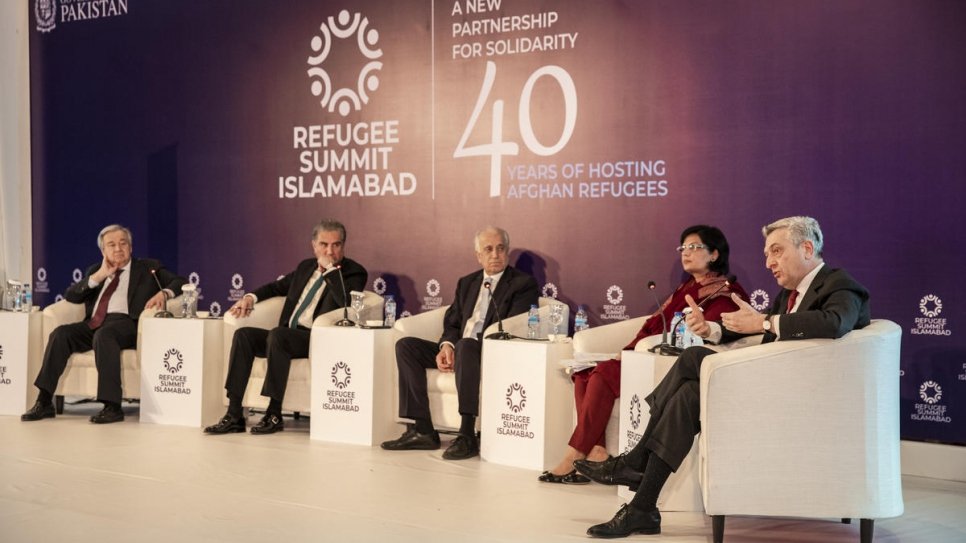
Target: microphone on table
[728,282]
[345,301]
[664,347]
[164,313]
[488,285]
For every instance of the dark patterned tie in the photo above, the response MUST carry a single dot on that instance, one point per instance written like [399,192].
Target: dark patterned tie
[294,323]
[791,301]
[101,311]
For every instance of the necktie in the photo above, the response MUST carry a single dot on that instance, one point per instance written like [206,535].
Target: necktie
[294,323]
[791,301]
[100,312]
[483,307]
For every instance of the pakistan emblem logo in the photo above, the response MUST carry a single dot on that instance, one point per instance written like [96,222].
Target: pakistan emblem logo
[46,13]
[341,375]
[516,397]
[349,27]
[173,360]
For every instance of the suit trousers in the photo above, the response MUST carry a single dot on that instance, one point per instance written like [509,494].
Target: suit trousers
[117,332]
[675,413]
[279,345]
[414,356]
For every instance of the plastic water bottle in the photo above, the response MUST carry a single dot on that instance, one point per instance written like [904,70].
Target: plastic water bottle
[28,298]
[533,322]
[18,298]
[690,340]
[390,311]
[680,329]
[580,319]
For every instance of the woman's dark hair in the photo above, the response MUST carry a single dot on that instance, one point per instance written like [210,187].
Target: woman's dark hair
[715,239]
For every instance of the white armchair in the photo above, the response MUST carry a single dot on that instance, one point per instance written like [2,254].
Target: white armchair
[803,428]
[80,375]
[298,391]
[443,400]
[609,338]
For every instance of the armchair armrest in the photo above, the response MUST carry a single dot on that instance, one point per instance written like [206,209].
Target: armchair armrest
[427,325]
[609,338]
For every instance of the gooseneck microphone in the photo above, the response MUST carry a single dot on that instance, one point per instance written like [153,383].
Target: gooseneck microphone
[488,285]
[345,301]
[664,347]
[728,282]
[164,313]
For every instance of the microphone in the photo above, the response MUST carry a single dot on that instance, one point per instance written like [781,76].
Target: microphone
[164,313]
[731,279]
[488,285]
[345,301]
[664,347]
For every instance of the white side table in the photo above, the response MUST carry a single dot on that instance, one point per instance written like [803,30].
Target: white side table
[527,403]
[352,381]
[181,376]
[21,355]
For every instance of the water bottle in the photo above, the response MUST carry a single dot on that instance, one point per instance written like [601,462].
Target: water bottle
[533,322]
[580,320]
[28,298]
[680,329]
[690,340]
[18,298]
[390,311]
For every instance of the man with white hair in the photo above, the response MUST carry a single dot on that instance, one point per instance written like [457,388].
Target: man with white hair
[815,302]
[114,291]
[459,348]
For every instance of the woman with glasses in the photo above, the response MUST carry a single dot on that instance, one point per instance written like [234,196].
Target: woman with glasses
[704,257]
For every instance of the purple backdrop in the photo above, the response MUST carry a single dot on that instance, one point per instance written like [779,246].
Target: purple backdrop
[593,131]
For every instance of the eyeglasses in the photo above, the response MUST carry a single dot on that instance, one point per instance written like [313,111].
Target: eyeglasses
[691,247]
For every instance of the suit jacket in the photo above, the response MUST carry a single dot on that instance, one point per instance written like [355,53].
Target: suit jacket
[141,286]
[292,285]
[834,305]
[514,294]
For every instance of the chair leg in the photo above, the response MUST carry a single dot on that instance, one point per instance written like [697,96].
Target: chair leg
[717,528]
[59,404]
[846,521]
[866,528]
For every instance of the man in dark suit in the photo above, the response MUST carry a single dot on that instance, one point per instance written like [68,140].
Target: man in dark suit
[459,348]
[315,287]
[815,302]
[114,292]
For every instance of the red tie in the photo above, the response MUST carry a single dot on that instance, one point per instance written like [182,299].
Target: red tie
[101,311]
[791,301]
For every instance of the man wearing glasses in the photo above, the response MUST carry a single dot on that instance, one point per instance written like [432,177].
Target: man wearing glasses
[459,348]
[815,302]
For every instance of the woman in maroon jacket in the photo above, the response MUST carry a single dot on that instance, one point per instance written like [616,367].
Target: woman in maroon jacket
[704,256]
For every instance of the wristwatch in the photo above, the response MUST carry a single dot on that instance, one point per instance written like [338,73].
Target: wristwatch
[766,324]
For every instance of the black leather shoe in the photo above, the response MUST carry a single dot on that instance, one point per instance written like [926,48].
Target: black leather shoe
[269,424]
[108,415]
[628,520]
[411,440]
[572,478]
[462,447]
[613,471]
[227,425]
[39,411]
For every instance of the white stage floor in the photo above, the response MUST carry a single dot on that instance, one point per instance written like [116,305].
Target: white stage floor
[66,479]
